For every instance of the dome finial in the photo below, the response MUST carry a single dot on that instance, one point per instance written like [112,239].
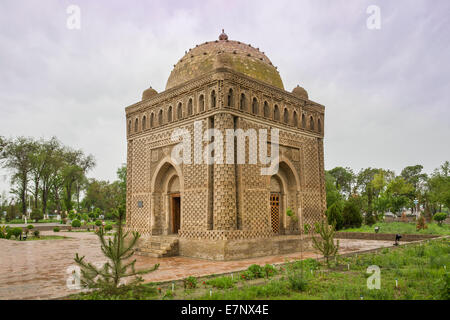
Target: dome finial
[223,35]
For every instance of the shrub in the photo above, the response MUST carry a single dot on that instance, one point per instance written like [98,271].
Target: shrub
[351,215]
[109,216]
[439,217]
[16,232]
[30,226]
[76,223]
[56,229]
[292,215]
[421,225]
[98,223]
[221,282]
[36,233]
[190,282]
[334,216]
[269,270]
[297,280]
[3,232]
[108,227]
[307,227]
[325,244]
[256,271]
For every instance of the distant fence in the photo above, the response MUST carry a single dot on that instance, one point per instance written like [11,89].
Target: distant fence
[382,236]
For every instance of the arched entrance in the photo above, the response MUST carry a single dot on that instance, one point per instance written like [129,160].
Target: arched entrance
[175,204]
[167,199]
[283,190]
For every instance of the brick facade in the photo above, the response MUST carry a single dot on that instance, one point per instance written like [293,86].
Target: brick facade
[223,202]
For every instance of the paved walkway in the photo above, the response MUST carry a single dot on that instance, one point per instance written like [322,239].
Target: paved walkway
[38,269]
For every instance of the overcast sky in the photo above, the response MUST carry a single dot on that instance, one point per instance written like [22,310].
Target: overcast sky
[386,91]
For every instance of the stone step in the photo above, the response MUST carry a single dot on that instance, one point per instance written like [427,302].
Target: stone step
[159,246]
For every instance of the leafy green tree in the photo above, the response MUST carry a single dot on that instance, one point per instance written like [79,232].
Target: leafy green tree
[16,155]
[398,191]
[351,214]
[118,251]
[440,217]
[334,215]
[122,182]
[73,173]
[36,214]
[332,193]
[438,188]
[344,178]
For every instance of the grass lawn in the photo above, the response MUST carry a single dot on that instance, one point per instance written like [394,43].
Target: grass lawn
[418,268]
[403,227]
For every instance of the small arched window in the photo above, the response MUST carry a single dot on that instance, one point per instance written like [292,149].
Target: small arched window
[144,123]
[201,103]
[169,114]
[295,119]
[243,105]
[136,125]
[213,99]
[255,106]
[180,111]
[266,110]
[303,121]
[190,107]
[319,125]
[311,123]
[129,126]
[286,116]
[160,117]
[276,113]
[230,98]
[152,120]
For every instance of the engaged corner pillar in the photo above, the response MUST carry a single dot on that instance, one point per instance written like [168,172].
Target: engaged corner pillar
[224,182]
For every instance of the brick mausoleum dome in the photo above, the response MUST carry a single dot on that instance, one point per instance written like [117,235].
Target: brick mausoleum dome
[300,92]
[148,93]
[226,53]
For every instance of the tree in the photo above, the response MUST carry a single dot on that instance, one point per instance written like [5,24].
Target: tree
[398,191]
[440,217]
[344,178]
[117,250]
[334,215]
[36,214]
[352,215]
[17,155]
[438,188]
[122,182]
[325,244]
[73,172]
[53,162]
[332,193]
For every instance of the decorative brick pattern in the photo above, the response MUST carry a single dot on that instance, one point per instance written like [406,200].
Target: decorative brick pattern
[222,201]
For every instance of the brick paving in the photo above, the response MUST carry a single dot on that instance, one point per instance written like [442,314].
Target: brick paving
[37,269]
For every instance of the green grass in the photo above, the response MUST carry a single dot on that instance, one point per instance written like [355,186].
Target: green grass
[419,269]
[403,228]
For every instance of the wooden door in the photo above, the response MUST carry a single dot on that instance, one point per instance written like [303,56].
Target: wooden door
[176,213]
[275,212]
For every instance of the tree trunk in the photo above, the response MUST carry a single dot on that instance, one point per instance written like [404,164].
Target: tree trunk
[23,195]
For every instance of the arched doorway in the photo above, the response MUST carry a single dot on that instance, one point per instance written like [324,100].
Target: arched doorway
[175,204]
[275,204]
[166,215]
[283,191]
